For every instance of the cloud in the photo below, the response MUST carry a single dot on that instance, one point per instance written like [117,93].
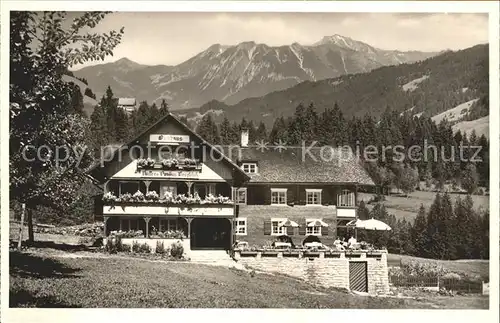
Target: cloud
[171,38]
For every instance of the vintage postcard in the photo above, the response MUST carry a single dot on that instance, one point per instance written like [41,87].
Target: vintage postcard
[267,155]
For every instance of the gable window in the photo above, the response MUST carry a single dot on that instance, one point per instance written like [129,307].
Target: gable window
[168,225]
[346,198]
[276,229]
[278,196]
[313,230]
[240,226]
[249,168]
[240,195]
[313,196]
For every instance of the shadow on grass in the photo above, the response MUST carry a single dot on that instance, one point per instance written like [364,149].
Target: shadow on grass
[23,298]
[26,265]
[52,245]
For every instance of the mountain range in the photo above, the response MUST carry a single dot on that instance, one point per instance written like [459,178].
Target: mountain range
[427,88]
[230,74]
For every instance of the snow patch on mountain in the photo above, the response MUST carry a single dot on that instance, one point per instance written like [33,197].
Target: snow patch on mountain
[413,85]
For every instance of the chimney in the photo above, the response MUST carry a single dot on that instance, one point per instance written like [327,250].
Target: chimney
[244,137]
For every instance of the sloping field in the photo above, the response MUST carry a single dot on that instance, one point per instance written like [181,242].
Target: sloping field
[41,279]
[481,126]
[407,207]
[455,113]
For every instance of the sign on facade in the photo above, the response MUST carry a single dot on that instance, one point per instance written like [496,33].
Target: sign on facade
[168,139]
[169,173]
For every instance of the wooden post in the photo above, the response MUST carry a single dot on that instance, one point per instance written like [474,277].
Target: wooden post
[147,183]
[21,227]
[146,219]
[189,184]
[188,220]
[31,237]
[106,218]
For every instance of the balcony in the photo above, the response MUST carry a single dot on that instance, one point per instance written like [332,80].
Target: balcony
[196,210]
[173,205]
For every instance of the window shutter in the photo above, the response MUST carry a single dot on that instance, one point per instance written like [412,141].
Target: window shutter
[302,228]
[267,227]
[289,231]
[324,231]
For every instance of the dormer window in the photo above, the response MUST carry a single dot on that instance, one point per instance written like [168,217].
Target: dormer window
[249,168]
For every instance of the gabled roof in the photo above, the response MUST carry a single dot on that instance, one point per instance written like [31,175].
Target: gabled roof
[127,101]
[113,149]
[292,166]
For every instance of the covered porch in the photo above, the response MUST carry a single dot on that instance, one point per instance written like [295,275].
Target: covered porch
[199,233]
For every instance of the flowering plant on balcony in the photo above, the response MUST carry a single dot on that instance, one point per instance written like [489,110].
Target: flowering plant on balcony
[152,196]
[109,197]
[211,199]
[127,197]
[142,163]
[172,234]
[138,196]
[169,163]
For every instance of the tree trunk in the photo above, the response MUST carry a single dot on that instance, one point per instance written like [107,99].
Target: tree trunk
[21,227]
[31,237]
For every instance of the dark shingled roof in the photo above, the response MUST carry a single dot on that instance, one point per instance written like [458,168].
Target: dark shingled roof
[297,164]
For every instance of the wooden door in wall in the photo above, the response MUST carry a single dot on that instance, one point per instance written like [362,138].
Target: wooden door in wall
[358,278]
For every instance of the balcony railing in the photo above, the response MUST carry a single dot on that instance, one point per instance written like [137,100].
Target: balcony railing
[179,205]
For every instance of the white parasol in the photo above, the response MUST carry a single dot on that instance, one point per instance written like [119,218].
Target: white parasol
[317,223]
[289,223]
[371,224]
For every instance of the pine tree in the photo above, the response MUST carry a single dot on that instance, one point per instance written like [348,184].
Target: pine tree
[225,132]
[419,233]
[279,131]
[469,180]
[98,130]
[122,126]
[409,179]
[164,108]
[261,132]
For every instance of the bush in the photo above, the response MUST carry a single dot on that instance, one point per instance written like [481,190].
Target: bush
[110,247]
[160,248]
[126,248]
[177,250]
[144,248]
[136,247]
[454,276]
[114,245]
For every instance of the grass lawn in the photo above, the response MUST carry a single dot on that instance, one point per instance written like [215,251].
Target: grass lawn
[50,278]
[407,207]
[469,267]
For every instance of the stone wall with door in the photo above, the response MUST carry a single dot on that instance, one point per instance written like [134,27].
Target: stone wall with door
[324,269]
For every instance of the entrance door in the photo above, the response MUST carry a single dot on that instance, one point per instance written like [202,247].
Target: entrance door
[358,280]
[211,233]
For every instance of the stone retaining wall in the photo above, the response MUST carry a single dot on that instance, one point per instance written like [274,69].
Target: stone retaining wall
[322,269]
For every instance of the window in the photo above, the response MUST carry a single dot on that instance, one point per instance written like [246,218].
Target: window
[278,196]
[313,231]
[346,198]
[128,187]
[240,195]
[313,196]
[240,226]
[129,224]
[276,230]
[249,168]
[204,189]
[168,225]
[167,187]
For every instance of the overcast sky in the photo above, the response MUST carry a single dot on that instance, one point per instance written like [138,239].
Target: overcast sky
[171,38]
